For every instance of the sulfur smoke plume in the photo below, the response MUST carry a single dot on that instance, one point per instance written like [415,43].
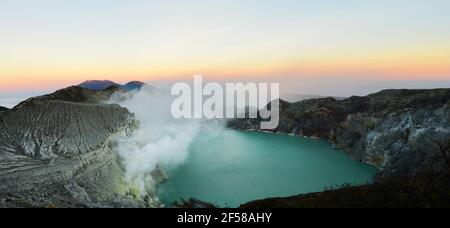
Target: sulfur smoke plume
[160,140]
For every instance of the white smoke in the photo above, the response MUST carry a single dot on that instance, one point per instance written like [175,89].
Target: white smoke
[160,140]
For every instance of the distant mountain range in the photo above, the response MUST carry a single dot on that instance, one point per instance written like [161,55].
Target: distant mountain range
[104,84]
[292,98]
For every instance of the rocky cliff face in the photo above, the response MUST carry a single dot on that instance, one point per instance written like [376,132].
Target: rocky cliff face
[402,132]
[57,151]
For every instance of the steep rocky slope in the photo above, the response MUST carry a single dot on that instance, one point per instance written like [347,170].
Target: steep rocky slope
[57,151]
[402,132]
[2,109]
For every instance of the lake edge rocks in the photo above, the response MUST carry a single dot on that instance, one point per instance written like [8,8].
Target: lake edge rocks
[398,131]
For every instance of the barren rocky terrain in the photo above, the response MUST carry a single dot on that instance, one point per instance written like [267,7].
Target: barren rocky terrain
[401,132]
[57,151]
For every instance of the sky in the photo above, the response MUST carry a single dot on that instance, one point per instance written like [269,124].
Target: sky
[341,48]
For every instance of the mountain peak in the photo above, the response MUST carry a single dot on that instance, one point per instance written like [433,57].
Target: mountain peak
[105,84]
[136,82]
[133,85]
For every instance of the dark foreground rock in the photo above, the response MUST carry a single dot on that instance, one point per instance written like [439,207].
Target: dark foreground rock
[425,191]
[57,151]
[402,132]
[3,109]
[193,203]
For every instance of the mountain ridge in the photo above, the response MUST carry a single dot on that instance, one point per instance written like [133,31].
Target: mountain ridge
[104,84]
[398,131]
[293,98]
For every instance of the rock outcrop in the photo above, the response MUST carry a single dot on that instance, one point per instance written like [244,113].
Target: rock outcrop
[3,109]
[402,132]
[57,151]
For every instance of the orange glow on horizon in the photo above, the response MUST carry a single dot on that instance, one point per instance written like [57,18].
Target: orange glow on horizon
[406,63]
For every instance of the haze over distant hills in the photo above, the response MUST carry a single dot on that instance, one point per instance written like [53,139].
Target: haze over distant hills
[292,98]
[10,102]
[103,84]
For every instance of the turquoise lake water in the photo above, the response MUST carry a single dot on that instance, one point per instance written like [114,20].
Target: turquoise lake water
[230,168]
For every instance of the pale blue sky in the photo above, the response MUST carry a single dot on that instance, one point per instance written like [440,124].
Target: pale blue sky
[54,43]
